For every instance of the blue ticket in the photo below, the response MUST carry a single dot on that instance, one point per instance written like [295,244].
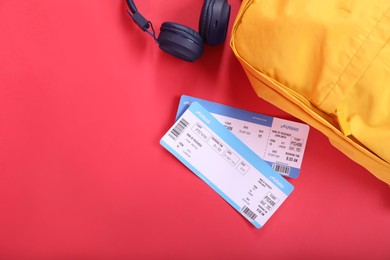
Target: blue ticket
[226,164]
[281,143]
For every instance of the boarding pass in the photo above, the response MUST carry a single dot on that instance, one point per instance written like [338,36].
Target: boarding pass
[281,143]
[226,164]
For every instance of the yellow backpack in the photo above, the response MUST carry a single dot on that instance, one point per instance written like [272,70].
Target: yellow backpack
[327,63]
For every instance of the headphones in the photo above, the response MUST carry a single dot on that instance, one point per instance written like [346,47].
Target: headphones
[182,41]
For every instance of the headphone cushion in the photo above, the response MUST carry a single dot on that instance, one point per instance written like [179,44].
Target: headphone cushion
[204,17]
[180,41]
[214,21]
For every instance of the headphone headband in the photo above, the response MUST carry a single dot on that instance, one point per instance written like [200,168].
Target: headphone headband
[140,20]
[132,6]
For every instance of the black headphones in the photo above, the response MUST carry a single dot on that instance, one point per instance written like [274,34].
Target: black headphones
[183,42]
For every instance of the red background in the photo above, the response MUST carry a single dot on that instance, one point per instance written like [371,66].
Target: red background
[85,97]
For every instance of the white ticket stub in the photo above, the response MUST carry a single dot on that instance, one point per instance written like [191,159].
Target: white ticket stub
[226,164]
[281,143]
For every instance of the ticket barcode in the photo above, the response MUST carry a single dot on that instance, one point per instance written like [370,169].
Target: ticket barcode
[249,213]
[281,168]
[178,129]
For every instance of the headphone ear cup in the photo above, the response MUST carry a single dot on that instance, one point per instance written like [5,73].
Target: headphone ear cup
[214,21]
[180,41]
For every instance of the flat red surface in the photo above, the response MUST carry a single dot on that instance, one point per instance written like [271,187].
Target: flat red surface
[85,97]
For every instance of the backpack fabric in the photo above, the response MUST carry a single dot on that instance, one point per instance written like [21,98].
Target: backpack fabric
[328,64]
